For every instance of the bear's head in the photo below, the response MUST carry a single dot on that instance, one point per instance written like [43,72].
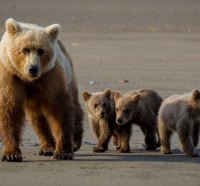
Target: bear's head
[98,104]
[195,102]
[29,50]
[126,107]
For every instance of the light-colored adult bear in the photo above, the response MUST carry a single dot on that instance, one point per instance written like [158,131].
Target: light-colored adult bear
[101,115]
[180,113]
[139,107]
[37,77]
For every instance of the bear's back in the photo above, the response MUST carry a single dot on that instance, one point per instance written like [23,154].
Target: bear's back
[150,98]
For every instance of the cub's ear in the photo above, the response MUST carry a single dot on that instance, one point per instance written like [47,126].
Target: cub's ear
[107,93]
[53,31]
[195,94]
[136,98]
[117,96]
[86,96]
[12,27]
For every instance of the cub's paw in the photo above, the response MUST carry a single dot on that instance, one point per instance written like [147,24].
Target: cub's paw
[194,155]
[158,144]
[46,151]
[166,152]
[118,147]
[77,145]
[63,156]
[124,150]
[11,157]
[150,147]
[99,149]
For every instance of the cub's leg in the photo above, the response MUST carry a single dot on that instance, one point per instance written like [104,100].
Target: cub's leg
[124,137]
[41,127]
[115,140]
[104,137]
[165,135]
[196,127]
[185,137]
[150,137]
[158,137]
[11,118]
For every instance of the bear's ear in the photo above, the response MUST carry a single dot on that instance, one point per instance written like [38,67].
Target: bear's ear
[86,96]
[53,31]
[107,93]
[117,96]
[136,98]
[12,27]
[195,94]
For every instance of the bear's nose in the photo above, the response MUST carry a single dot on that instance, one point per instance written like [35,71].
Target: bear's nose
[119,121]
[33,70]
[102,114]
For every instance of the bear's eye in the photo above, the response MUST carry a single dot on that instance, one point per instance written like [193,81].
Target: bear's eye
[40,51]
[126,111]
[104,105]
[95,105]
[26,51]
[116,109]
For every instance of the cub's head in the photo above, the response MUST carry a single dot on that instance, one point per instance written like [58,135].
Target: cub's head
[195,98]
[98,104]
[29,49]
[125,108]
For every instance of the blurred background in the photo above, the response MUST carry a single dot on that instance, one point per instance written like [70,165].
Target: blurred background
[107,15]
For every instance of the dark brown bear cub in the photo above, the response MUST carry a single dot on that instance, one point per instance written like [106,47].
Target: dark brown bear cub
[139,107]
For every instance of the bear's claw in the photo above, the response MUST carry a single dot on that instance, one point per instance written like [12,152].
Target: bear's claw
[95,149]
[124,150]
[45,153]
[12,158]
[63,156]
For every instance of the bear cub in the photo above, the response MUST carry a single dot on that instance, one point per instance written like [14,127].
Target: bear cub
[180,113]
[101,115]
[140,107]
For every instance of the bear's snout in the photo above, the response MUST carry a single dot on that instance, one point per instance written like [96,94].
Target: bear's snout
[33,70]
[119,121]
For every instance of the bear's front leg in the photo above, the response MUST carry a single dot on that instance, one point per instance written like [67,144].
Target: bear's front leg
[124,135]
[104,138]
[11,120]
[185,137]
[60,117]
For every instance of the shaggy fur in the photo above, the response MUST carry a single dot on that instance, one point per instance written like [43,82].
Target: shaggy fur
[37,78]
[139,107]
[180,113]
[101,114]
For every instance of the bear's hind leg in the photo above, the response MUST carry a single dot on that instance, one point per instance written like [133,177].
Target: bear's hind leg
[150,138]
[196,128]
[11,128]
[41,127]
[78,128]
[165,135]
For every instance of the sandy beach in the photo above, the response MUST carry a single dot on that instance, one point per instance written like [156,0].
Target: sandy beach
[152,44]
